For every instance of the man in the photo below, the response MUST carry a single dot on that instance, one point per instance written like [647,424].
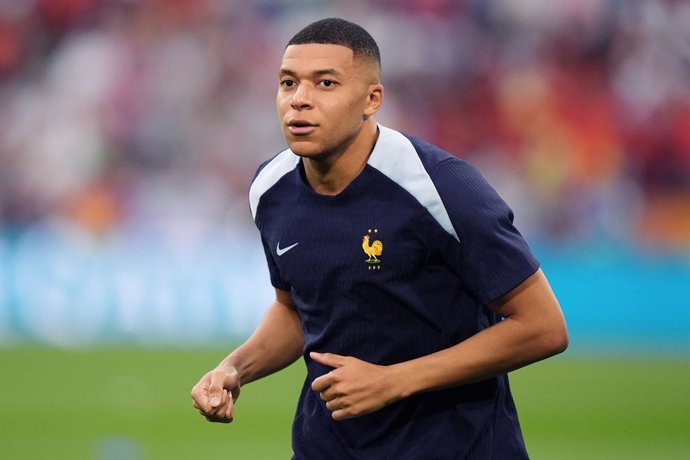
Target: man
[399,277]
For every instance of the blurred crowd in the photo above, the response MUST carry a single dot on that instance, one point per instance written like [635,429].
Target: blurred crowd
[147,118]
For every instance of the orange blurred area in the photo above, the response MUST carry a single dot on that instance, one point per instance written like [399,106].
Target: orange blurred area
[665,220]
[96,210]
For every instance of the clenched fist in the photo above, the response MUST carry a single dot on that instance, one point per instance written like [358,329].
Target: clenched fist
[215,394]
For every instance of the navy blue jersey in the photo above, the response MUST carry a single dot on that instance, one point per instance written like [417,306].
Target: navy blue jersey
[400,264]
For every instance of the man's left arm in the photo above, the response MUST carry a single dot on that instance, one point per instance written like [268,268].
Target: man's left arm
[533,329]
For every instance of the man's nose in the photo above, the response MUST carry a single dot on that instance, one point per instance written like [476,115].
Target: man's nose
[301,99]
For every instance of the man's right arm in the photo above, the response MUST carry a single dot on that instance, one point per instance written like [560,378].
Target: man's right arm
[276,343]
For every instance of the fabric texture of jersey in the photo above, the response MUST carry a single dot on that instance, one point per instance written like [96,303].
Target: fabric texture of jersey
[400,264]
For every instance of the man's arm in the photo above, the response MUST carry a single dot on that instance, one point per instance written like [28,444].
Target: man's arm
[276,343]
[533,329]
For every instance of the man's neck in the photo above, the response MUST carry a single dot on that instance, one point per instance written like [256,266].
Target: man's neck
[333,173]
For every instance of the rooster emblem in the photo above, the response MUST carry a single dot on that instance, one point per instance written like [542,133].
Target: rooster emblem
[373,250]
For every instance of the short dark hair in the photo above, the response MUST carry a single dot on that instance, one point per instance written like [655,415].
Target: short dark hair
[336,31]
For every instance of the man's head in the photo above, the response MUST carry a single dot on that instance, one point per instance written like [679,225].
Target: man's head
[336,31]
[329,88]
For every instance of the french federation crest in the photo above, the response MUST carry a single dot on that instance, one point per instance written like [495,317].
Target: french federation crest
[373,250]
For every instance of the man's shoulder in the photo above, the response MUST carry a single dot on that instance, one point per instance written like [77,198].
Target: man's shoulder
[448,186]
[436,159]
[412,165]
[284,160]
[443,168]
[268,174]
[431,156]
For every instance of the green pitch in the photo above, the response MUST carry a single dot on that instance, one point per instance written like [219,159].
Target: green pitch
[134,404]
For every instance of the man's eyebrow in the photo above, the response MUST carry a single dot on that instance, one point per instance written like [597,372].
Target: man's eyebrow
[316,73]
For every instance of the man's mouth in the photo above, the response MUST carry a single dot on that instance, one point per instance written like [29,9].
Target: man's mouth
[301,127]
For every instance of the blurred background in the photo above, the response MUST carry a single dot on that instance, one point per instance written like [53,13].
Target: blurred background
[129,265]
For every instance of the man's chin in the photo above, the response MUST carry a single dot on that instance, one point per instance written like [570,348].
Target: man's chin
[304,149]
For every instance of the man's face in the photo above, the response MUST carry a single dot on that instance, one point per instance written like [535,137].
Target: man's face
[324,97]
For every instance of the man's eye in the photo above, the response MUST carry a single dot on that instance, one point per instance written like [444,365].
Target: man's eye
[328,83]
[287,83]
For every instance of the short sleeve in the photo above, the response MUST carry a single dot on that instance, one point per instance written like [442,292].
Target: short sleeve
[492,257]
[276,280]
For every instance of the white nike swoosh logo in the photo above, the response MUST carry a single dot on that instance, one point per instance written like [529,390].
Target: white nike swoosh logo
[282,251]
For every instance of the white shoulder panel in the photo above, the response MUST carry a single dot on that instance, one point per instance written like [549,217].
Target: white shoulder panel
[282,164]
[395,156]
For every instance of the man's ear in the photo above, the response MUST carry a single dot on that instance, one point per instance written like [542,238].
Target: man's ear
[374,100]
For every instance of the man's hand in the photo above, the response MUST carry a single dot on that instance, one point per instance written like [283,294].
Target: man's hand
[354,387]
[215,395]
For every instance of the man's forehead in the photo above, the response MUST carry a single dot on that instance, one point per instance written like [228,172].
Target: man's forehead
[317,52]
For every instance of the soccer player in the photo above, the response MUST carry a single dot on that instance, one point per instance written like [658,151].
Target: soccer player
[399,277]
